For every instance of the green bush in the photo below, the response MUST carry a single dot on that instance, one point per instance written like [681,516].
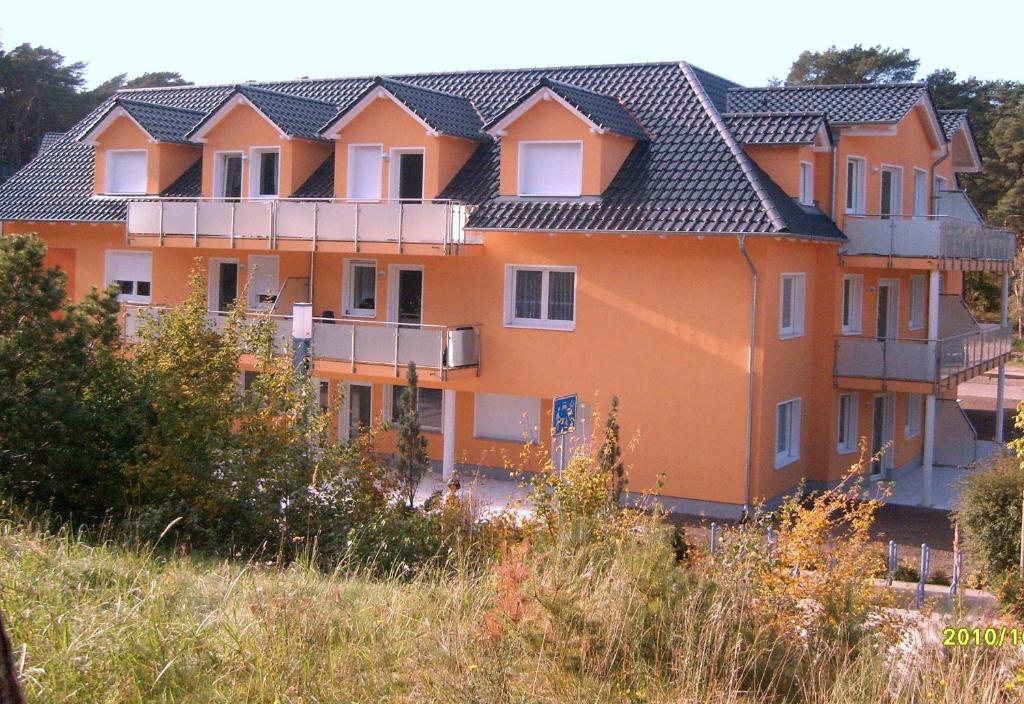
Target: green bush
[990,514]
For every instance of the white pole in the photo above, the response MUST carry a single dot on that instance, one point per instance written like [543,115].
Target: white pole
[448,435]
[1004,318]
[928,460]
[933,305]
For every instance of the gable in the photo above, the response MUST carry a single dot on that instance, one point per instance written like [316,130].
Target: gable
[242,126]
[384,120]
[122,133]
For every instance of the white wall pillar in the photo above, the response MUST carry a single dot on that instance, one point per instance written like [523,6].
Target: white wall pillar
[448,435]
[928,460]
[1004,318]
[934,287]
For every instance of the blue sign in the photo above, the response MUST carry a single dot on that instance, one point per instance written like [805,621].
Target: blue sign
[563,415]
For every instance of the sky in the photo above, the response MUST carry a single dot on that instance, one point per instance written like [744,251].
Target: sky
[749,42]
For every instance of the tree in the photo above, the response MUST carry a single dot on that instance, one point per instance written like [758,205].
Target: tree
[71,414]
[854,65]
[411,455]
[610,455]
[38,93]
[154,79]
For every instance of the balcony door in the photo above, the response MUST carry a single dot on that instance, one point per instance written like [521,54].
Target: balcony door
[892,191]
[223,283]
[407,175]
[356,409]
[882,426]
[406,294]
[887,316]
[228,176]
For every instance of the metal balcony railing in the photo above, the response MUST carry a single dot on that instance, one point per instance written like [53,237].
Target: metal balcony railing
[931,236]
[919,360]
[439,347]
[435,222]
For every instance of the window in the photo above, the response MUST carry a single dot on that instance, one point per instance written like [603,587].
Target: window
[550,168]
[541,297]
[847,423]
[920,192]
[913,425]
[323,394]
[126,171]
[806,183]
[502,417]
[364,172]
[407,175]
[429,403]
[892,191]
[264,176]
[360,286]
[227,176]
[853,296]
[356,414]
[917,302]
[132,273]
[856,170]
[787,432]
[248,379]
[791,314]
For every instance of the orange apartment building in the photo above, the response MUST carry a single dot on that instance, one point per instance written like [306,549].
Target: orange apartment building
[764,276]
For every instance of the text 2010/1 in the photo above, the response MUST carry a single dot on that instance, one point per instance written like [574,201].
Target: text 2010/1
[992,636]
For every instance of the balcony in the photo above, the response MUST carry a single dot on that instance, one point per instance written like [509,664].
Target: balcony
[427,227]
[363,347]
[944,362]
[957,234]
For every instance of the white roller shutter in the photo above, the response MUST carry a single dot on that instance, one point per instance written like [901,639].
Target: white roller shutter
[550,168]
[126,171]
[503,417]
[364,172]
[132,273]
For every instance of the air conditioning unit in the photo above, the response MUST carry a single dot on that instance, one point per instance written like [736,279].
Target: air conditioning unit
[462,347]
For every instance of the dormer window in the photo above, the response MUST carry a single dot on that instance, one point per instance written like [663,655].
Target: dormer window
[364,171]
[227,176]
[265,173]
[407,175]
[550,168]
[126,171]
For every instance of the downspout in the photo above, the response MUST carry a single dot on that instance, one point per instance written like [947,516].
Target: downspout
[835,181]
[748,460]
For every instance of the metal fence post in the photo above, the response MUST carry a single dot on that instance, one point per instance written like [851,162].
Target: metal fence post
[925,560]
[894,560]
[714,538]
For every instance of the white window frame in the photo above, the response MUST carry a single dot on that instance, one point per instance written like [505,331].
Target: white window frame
[921,208]
[576,192]
[255,159]
[395,173]
[940,184]
[912,416]
[854,283]
[219,174]
[349,170]
[896,202]
[796,327]
[389,405]
[108,171]
[918,301]
[348,281]
[543,322]
[128,297]
[529,434]
[807,183]
[213,280]
[791,453]
[859,186]
[849,444]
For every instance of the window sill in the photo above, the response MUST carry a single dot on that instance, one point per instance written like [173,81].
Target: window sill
[915,328]
[908,436]
[782,462]
[790,335]
[850,332]
[556,328]
[845,450]
[517,441]
[360,314]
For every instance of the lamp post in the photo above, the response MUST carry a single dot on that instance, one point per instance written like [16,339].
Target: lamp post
[302,333]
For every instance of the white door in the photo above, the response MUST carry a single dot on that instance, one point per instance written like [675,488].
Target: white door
[920,193]
[263,281]
[405,294]
[223,283]
[882,427]
[892,191]
[887,317]
[356,415]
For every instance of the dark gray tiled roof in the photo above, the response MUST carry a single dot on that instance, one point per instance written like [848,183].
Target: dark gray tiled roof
[445,113]
[48,140]
[951,120]
[603,110]
[688,177]
[775,128]
[295,115]
[188,185]
[841,104]
[163,123]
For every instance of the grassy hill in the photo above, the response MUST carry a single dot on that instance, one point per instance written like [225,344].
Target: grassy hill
[95,621]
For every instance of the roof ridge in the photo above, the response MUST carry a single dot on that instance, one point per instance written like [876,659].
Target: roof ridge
[159,106]
[575,86]
[260,89]
[776,113]
[426,89]
[824,86]
[734,147]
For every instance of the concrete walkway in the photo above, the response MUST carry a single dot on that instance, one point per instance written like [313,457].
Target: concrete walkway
[908,489]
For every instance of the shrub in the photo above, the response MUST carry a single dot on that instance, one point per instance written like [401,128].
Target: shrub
[990,514]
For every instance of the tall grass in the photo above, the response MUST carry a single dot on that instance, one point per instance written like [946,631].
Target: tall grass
[573,620]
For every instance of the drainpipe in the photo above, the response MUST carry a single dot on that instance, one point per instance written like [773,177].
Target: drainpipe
[748,461]
[835,181]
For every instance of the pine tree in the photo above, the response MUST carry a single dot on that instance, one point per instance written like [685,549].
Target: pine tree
[411,457]
[610,454]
